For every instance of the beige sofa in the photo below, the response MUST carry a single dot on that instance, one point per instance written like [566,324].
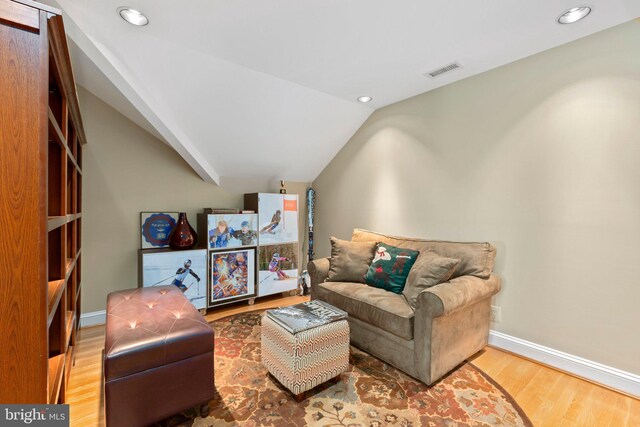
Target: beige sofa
[450,322]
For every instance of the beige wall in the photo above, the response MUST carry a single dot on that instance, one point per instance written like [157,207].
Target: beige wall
[126,170]
[540,157]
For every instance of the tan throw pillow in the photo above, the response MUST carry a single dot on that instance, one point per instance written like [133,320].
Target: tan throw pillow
[429,270]
[349,260]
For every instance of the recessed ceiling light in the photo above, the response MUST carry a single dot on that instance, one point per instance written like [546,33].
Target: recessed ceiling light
[132,16]
[574,14]
[365,99]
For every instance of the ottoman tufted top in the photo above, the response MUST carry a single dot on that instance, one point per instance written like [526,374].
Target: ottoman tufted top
[151,327]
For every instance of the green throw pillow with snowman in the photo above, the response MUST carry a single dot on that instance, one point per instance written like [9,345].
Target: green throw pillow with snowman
[390,267]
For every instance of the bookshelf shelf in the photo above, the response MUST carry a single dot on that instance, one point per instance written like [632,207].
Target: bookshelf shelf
[54,222]
[55,371]
[69,323]
[55,292]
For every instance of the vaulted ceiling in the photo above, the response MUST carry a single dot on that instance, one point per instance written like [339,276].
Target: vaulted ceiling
[268,88]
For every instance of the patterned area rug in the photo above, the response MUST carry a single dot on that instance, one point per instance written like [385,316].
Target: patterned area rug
[370,394]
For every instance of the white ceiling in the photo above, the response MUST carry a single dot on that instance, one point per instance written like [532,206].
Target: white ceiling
[268,88]
[91,78]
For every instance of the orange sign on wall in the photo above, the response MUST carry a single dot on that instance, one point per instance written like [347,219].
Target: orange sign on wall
[290,205]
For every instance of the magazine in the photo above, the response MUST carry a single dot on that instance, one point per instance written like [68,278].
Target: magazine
[307,315]
[221,211]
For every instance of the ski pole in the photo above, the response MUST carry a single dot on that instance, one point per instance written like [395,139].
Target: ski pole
[157,283]
[266,277]
[191,285]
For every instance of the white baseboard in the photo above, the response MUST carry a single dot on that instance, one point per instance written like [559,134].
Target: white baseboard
[606,375]
[94,318]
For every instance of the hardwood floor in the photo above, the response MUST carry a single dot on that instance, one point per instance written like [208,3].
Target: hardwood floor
[553,398]
[547,396]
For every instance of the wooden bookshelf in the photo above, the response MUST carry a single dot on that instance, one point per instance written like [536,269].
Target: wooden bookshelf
[41,143]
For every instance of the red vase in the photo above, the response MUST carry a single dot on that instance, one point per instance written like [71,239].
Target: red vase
[183,235]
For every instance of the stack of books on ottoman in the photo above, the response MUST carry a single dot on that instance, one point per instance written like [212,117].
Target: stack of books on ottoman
[307,315]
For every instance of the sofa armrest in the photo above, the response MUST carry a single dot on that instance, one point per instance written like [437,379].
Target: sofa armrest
[318,270]
[451,324]
[456,294]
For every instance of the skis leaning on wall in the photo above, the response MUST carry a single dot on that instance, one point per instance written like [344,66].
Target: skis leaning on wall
[311,202]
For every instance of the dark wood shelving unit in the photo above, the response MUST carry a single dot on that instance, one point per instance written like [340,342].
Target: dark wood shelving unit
[41,143]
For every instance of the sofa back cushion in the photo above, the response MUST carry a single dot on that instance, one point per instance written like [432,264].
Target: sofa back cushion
[476,259]
[349,261]
[429,270]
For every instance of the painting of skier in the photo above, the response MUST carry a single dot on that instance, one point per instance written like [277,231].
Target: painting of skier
[219,237]
[278,218]
[232,230]
[275,222]
[183,269]
[246,236]
[232,275]
[278,268]
[182,274]
[274,266]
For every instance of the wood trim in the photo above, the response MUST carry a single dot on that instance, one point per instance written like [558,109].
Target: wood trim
[20,15]
[93,318]
[43,169]
[60,52]
[41,6]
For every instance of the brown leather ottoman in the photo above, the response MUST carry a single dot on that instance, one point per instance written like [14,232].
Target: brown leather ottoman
[158,356]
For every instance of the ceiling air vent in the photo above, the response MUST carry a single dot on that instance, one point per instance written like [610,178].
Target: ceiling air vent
[435,73]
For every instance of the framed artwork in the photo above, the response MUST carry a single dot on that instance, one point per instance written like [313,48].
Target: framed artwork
[185,269]
[233,275]
[278,265]
[278,218]
[232,230]
[155,228]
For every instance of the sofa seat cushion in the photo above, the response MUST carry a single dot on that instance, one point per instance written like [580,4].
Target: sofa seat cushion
[380,308]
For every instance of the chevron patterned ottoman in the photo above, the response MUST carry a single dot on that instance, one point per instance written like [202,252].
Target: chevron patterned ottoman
[303,360]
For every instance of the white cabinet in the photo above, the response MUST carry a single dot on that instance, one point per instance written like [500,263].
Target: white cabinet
[278,245]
